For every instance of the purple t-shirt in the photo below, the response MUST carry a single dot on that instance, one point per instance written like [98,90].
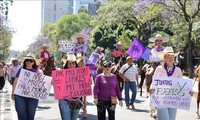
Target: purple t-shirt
[106,86]
[32,70]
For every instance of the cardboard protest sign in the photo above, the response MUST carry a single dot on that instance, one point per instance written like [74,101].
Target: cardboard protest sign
[65,46]
[70,83]
[94,57]
[171,92]
[32,85]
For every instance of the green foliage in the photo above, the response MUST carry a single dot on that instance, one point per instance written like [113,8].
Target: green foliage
[5,43]
[82,9]
[4,6]
[67,25]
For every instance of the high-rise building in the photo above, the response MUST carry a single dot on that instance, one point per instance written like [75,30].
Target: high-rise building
[52,10]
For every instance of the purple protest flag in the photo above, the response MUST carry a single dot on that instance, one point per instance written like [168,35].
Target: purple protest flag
[145,55]
[136,49]
[94,57]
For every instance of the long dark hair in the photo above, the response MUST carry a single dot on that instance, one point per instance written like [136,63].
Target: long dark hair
[34,65]
[66,67]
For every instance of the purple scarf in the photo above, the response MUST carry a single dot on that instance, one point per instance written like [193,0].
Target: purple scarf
[169,72]
[160,48]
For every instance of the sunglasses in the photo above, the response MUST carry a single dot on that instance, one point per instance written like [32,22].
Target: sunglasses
[29,60]
[107,66]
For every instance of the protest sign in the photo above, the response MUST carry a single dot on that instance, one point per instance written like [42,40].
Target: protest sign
[32,85]
[171,92]
[117,53]
[65,46]
[94,57]
[70,83]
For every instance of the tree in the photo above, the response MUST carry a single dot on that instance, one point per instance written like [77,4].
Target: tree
[4,6]
[189,12]
[68,25]
[82,9]
[5,30]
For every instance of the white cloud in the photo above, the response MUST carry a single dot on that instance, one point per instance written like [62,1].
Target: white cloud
[25,18]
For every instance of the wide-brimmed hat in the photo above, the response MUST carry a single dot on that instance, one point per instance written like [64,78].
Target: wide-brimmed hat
[118,43]
[167,50]
[75,36]
[158,37]
[101,48]
[14,59]
[71,58]
[31,56]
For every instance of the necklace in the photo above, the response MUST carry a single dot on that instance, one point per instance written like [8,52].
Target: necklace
[169,71]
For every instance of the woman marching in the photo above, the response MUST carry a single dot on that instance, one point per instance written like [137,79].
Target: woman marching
[25,106]
[106,83]
[69,108]
[167,70]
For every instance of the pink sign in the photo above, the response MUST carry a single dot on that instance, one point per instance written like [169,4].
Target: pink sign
[70,83]
[117,53]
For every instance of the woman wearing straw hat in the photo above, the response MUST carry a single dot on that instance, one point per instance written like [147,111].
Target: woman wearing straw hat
[80,43]
[69,108]
[99,50]
[167,70]
[44,55]
[25,106]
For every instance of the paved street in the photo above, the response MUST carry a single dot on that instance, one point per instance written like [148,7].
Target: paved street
[48,109]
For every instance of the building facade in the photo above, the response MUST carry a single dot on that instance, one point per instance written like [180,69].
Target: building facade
[52,10]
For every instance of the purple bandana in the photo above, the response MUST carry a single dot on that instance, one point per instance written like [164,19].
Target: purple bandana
[169,71]
[158,49]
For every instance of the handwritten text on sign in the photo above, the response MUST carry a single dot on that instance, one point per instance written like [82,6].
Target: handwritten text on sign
[32,85]
[171,92]
[71,83]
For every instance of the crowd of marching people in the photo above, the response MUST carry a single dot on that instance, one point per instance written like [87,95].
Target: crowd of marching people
[111,77]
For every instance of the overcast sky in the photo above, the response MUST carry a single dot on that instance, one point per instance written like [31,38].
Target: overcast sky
[25,19]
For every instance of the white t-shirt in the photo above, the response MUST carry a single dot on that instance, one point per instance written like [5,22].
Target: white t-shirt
[154,55]
[130,73]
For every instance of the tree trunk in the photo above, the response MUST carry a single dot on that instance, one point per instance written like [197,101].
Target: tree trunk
[190,57]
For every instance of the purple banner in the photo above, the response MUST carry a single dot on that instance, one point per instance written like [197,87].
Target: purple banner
[145,55]
[136,49]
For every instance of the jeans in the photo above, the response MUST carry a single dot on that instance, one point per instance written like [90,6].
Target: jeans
[66,112]
[25,107]
[12,80]
[102,106]
[132,86]
[166,113]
